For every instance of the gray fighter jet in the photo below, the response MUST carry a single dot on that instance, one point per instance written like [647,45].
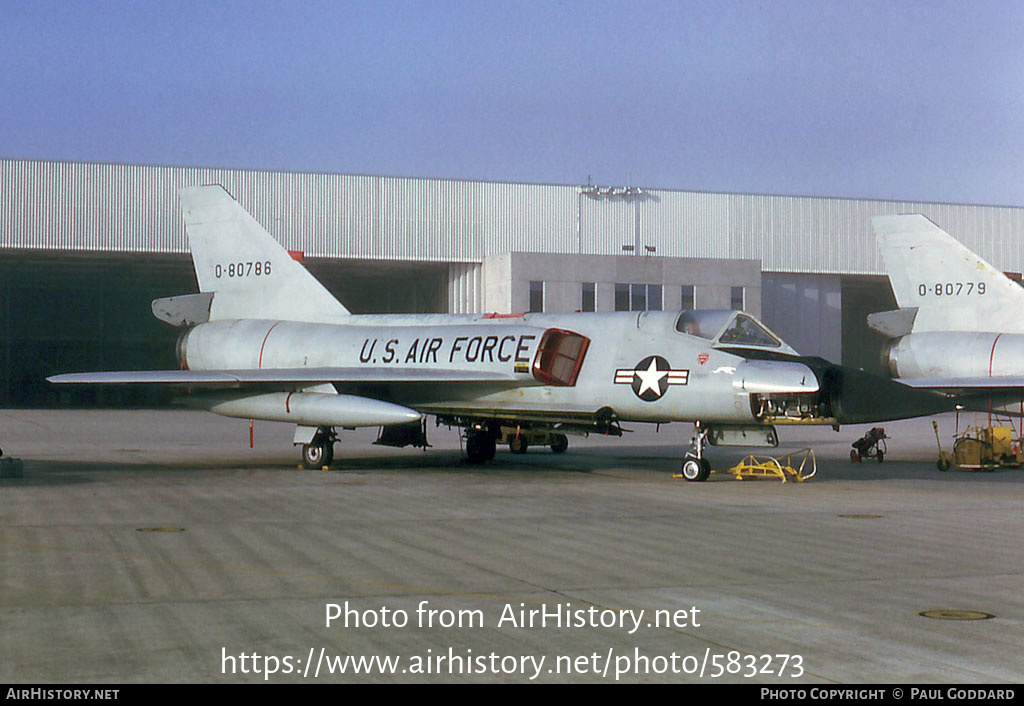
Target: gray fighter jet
[958,328]
[265,340]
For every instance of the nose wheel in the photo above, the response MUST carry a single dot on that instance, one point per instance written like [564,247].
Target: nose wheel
[696,468]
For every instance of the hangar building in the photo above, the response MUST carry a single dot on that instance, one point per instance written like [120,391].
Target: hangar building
[84,247]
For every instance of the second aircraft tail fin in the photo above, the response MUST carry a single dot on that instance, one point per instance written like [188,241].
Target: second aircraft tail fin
[951,288]
[250,274]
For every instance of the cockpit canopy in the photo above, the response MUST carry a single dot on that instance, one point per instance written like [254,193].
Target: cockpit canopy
[725,327]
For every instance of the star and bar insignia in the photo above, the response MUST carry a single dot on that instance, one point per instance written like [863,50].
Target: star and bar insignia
[651,377]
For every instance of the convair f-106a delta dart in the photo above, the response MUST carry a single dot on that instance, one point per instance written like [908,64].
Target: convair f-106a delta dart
[265,340]
[958,328]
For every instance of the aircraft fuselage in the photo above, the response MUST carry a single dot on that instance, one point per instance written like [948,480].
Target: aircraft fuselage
[635,364]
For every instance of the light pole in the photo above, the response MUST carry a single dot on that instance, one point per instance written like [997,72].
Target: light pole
[632,194]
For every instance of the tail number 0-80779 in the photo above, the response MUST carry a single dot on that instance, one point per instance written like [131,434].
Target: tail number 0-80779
[242,269]
[951,289]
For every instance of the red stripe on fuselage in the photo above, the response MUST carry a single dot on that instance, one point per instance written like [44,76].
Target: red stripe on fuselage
[992,354]
[263,345]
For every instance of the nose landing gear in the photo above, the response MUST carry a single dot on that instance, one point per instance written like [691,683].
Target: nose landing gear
[696,468]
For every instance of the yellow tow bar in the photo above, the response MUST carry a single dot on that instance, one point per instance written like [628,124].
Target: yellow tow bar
[771,467]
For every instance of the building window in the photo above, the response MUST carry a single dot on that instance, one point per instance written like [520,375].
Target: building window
[589,297]
[736,299]
[621,297]
[536,297]
[688,300]
[637,297]
[654,297]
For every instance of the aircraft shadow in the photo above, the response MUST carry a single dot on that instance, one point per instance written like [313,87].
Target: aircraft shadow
[656,460]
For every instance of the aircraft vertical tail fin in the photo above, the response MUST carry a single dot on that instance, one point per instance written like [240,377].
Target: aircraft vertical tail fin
[249,273]
[951,288]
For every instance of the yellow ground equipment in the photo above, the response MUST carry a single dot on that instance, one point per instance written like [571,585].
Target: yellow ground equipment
[519,439]
[943,463]
[981,448]
[771,467]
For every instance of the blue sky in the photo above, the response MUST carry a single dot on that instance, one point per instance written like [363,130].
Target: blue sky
[917,100]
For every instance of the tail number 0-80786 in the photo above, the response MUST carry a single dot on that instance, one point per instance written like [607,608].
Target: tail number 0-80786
[242,269]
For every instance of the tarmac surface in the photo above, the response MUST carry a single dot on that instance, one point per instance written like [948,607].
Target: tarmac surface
[156,546]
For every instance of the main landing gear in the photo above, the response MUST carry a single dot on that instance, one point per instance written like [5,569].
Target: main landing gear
[319,452]
[696,468]
[481,444]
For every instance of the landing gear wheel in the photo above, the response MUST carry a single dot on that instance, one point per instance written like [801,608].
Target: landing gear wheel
[854,456]
[476,451]
[881,455]
[317,454]
[696,470]
[943,464]
[559,443]
[480,446]
[517,445]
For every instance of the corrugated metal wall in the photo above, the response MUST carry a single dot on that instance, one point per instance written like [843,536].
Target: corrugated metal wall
[131,208]
[816,235]
[465,288]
